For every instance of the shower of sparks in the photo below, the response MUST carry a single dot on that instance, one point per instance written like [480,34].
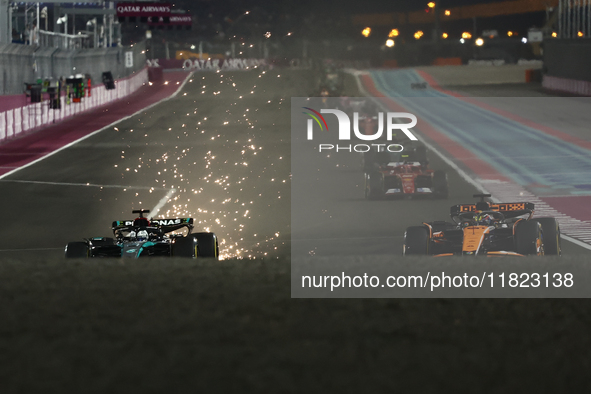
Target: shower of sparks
[214,170]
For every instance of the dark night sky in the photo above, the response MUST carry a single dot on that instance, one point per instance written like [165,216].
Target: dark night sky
[318,6]
[332,10]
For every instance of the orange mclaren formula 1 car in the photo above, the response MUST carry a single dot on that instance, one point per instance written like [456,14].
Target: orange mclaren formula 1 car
[486,229]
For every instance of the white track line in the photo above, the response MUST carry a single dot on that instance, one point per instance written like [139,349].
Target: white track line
[83,184]
[28,250]
[99,130]
[154,211]
[508,191]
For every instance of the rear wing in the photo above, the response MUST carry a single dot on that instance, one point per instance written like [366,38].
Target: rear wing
[166,225]
[510,210]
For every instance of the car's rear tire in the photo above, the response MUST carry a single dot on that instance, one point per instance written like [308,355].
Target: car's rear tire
[416,241]
[440,187]
[207,245]
[76,250]
[374,186]
[184,247]
[551,236]
[528,238]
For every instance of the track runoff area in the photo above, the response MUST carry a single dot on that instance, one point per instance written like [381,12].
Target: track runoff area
[339,237]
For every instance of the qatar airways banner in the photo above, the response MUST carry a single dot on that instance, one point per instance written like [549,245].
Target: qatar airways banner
[143,10]
[174,20]
[207,64]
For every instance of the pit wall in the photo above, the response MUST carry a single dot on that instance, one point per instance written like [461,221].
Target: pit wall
[567,65]
[17,115]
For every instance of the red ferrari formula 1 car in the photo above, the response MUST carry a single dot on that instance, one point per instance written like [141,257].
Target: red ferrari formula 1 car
[403,173]
[486,229]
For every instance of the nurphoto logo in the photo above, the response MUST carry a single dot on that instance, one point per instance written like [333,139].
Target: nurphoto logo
[344,133]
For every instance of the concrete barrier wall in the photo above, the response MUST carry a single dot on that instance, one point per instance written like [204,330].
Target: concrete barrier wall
[581,88]
[16,67]
[567,65]
[479,74]
[568,58]
[26,63]
[26,117]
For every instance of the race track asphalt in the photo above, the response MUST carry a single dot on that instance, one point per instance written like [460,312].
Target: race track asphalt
[222,145]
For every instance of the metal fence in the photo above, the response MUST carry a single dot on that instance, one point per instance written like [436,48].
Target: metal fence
[65,41]
[21,64]
[574,18]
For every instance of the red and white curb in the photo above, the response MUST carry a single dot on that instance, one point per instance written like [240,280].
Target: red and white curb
[582,88]
[576,229]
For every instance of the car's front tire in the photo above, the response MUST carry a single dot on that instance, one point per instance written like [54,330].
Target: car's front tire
[77,250]
[440,187]
[416,241]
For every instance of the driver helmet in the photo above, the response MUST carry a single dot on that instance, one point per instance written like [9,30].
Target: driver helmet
[141,222]
[142,235]
[484,219]
[132,234]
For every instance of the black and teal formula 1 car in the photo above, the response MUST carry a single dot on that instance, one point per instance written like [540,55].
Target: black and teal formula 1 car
[143,237]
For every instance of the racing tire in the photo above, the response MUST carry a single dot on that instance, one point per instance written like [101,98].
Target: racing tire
[528,238]
[374,186]
[416,241]
[104,241]
[440,187]
[185,247]
[551,236]
[76,250]
[207,245]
